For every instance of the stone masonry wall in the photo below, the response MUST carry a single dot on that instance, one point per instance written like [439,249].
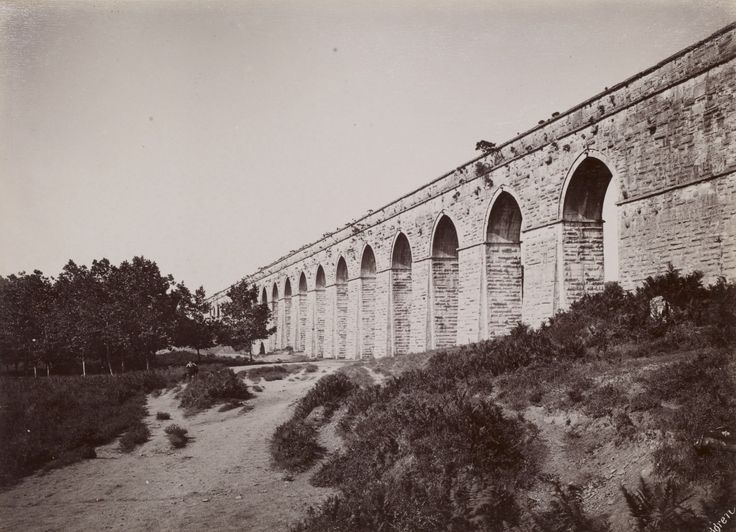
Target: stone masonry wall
[666,135]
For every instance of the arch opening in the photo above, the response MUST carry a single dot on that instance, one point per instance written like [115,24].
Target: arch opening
[401,293]
[286,337]
[445,284]
[504,269]
[275,338]
[590,249]
[341,308]
[301,309]
[318,320]
[367,322]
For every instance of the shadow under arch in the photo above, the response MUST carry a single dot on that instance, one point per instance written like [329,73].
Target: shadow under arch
[401,295]
[367,319]
[318,319]
[301,310]
[504,271]
[445,280]
[341,308]
[581,263]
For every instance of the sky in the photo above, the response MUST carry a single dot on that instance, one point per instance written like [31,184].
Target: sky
[214,137]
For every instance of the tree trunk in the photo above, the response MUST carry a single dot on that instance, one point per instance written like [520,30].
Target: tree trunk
[35,372]
[197,355]
[148,364]
[122,364]
[84,368]
[48,370]
[107,358]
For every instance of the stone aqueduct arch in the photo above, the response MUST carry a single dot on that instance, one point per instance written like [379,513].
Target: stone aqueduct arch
[517,234]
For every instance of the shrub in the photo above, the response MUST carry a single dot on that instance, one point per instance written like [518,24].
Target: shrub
[212,387]
[137,434]
[328,392]
[419,459]
[163,416]
[177,436]
[294,446]
[603,400]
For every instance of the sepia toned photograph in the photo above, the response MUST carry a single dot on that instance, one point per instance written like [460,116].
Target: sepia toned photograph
[352,266]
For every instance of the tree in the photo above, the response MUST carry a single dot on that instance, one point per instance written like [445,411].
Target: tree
[25,303]
[243,320]
[144,306]
[193,326]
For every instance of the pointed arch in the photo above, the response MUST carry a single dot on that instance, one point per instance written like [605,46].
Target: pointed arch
[318,320]
[584,251]
[301,310]
[286,338]
[367,322]
[275,339]
[445,278]
[401,294]
[504,269]
[444,238]
[341,307]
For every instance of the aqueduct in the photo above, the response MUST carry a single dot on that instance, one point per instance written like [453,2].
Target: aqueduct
[517,234]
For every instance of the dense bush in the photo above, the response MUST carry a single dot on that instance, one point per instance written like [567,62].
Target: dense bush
[425,461]
[329,392]
[213,386]
[294,445]
[163,416]
[137,434]
[53,421]
[177,436]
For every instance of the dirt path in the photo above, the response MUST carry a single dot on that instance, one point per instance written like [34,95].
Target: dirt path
[220,481]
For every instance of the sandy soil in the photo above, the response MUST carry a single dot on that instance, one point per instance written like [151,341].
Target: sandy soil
[221,480]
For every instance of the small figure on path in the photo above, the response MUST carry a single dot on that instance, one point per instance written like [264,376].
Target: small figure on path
[192,370]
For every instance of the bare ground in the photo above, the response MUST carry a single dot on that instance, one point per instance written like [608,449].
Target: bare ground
[222,480]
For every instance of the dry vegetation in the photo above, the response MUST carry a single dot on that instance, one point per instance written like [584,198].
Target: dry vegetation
[539,430]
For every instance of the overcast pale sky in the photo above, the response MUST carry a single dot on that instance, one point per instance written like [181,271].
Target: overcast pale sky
[214,137]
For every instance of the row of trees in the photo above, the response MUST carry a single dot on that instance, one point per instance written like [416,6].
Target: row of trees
[116,316]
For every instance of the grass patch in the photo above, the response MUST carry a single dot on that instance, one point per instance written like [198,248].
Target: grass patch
[267,373]
[55,421]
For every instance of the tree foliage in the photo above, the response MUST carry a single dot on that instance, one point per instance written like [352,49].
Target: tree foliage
[117,315]
[243,319]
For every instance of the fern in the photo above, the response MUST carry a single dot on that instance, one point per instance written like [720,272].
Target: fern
[661,507]
[566,512]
